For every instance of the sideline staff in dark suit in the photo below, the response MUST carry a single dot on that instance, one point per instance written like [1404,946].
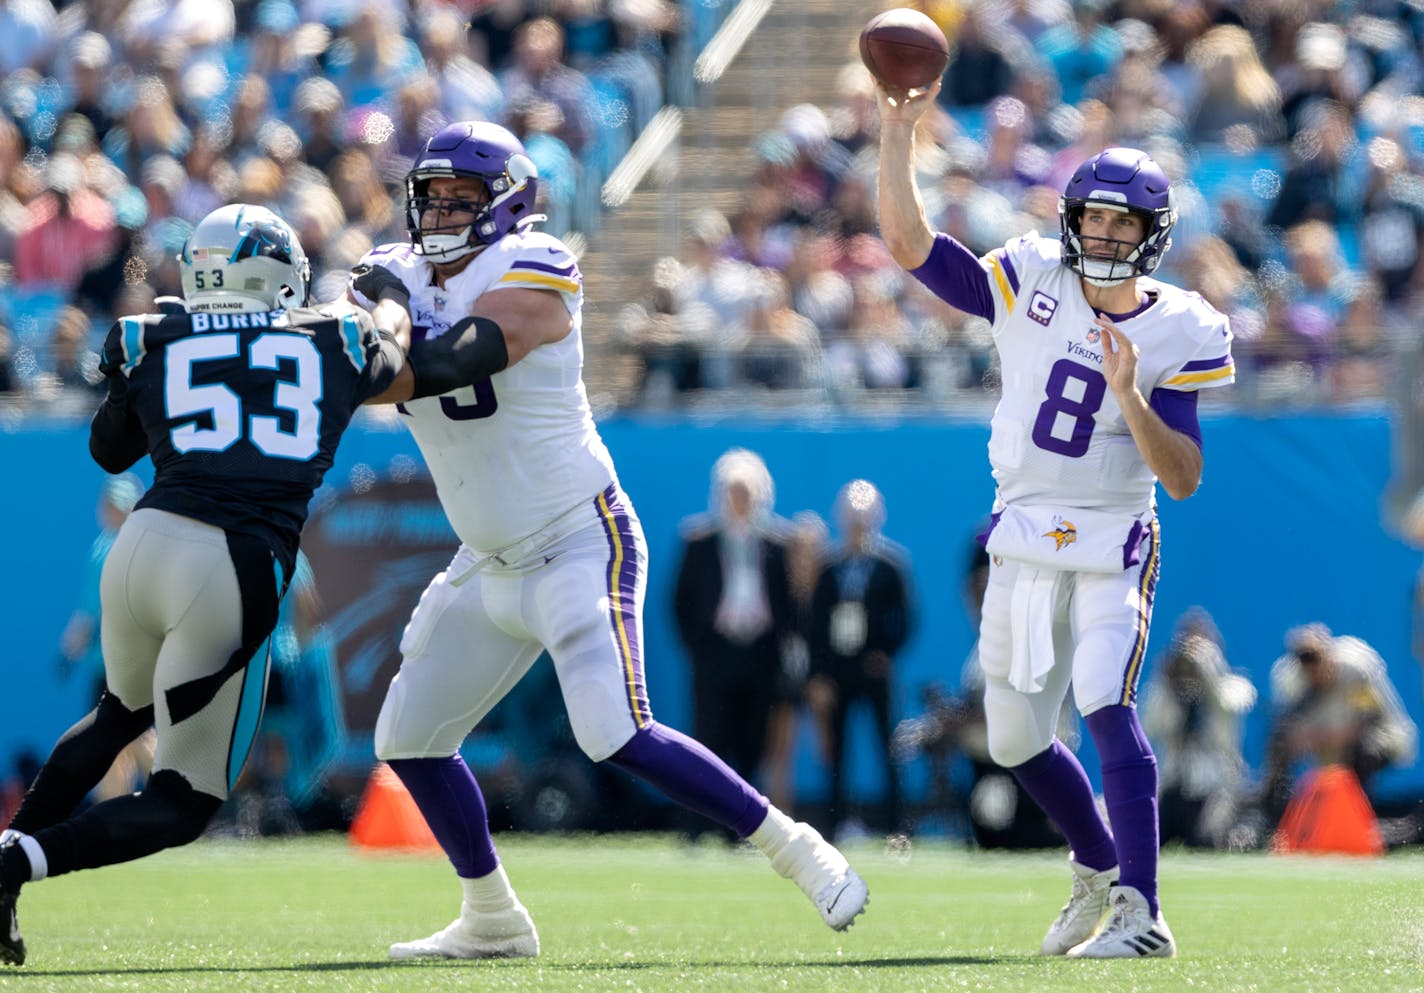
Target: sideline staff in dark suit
[733,609]
[860,619]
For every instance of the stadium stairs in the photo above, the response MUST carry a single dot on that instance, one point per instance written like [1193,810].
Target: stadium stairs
[791,56]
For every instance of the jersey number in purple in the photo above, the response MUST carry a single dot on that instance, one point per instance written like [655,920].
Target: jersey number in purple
[1075,391]
[486,403]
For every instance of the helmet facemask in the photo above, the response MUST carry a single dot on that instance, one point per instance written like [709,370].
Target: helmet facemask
[504,207]
[1096,267]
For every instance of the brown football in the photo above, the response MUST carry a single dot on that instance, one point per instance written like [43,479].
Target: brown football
[904,49]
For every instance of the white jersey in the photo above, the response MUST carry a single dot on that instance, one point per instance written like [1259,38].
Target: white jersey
[1058,435]
[511,455]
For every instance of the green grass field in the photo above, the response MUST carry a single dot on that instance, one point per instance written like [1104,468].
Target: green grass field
[648,914]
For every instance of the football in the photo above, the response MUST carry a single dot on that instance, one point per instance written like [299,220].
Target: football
[904,49]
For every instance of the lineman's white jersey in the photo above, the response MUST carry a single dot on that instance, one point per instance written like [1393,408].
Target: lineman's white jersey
[1058,435]
[514,453]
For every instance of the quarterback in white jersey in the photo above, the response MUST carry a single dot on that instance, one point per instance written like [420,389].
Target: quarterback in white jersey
[1101,365]
[552,555]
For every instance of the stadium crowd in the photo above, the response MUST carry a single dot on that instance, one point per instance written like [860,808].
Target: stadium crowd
[1293,132]
[123,123]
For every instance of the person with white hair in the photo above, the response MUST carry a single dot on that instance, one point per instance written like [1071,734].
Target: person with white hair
[732,603]
[861,617]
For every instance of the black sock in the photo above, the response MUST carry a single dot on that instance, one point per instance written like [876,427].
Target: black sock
[14,867]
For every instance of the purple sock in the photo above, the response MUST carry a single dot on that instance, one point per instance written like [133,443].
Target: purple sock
[1056,781]
[1130,789]
[447,794]
[687,772]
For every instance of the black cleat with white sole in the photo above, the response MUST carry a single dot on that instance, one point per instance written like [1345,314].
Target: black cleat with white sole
[12,945]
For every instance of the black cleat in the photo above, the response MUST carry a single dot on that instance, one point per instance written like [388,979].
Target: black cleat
[12,945]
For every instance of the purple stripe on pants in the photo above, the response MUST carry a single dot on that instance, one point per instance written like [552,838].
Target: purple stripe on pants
[624,584]
[1147,586]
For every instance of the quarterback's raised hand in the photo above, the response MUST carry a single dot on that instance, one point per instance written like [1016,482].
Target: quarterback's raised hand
[1119,358]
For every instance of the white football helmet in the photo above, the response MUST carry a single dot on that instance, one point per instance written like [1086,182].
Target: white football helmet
[241,259]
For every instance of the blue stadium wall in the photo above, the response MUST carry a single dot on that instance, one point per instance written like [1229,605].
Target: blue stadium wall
[1287,528]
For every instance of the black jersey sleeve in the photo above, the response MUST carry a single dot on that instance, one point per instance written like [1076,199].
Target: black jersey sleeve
[116,436]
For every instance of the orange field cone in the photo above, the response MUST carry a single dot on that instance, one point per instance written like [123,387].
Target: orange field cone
[387,816]
[1329,813]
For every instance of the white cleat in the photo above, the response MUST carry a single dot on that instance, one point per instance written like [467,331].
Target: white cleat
[824,875]
[1084,910]
[504,934]
[1130,931]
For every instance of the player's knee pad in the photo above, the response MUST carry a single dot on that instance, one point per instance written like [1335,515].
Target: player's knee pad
[187,811]
[602,721]
[1016,731]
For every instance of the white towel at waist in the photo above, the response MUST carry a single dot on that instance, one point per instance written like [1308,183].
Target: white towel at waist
[1031,607]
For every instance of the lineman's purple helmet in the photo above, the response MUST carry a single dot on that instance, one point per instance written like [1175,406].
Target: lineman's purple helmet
[496,158]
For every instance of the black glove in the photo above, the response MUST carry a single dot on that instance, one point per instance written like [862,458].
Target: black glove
[368,282]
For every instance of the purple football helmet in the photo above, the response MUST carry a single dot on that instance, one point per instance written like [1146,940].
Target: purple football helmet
[496,158]
[1118,179]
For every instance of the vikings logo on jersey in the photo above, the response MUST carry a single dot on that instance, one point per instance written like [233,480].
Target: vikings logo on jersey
[1063,534]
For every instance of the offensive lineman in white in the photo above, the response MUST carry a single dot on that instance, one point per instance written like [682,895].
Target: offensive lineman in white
[1101,364]
[551,556]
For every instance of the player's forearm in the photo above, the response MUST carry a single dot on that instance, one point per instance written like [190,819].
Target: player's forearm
[392,314]
[1173,457]
[903,223]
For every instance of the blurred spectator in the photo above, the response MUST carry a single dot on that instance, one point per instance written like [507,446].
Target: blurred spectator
[1193,711]
[783,348]
[1333,704]
[1393,222]
[855,121]
[203,27]
[1080,50]
[1317,185]
[733,610]
[1318,71]
[539,73]
[1369,338]
[818,292]
[668,363]
[493,29]
[1237,100]
[151,126]
[280,51]
[861,617]
[28,32]
[69,226]
[208,179]
[370,59]
[74,363]
[716,298]
[540,122]
[319,110]
[468,90]
[874,352]
[90,56]
[979,67]
[1317,289]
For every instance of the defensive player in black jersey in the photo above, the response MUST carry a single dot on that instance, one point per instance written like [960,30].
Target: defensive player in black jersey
[240,402]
